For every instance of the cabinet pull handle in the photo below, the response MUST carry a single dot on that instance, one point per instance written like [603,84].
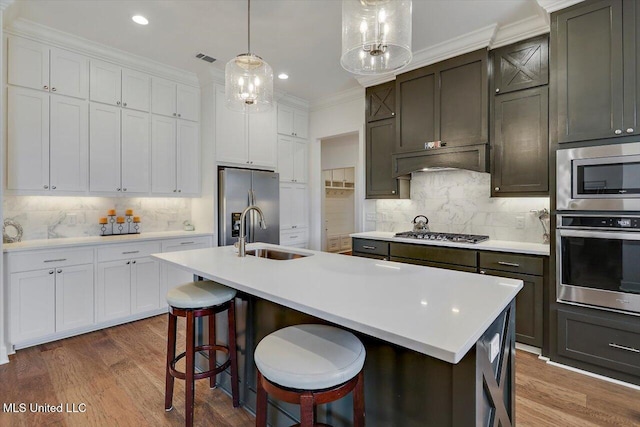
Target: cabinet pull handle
[130,252]
[509,264]
[624,347]
[618,132]
[293,237]
[368,247]
[50,271]
[187,243]
[59,270]
[55,260]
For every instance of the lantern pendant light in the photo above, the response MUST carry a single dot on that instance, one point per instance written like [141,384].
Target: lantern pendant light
[248,79]
[376,35]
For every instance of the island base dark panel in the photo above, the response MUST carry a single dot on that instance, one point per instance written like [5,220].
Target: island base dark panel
[402,387]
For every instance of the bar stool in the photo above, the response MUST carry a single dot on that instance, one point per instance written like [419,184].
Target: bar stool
[310,365]
[193,300]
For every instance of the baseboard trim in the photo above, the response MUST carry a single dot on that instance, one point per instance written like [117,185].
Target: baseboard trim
[528,348]
[592,375]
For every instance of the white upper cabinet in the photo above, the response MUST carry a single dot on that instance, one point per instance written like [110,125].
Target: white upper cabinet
[163,154]
[188,157]
[293,122]
[104,152]
[293,206]
[114,85]
[69,144]
[174,99]
[242,139]
[136,142]
[292,159]
[28,140]
[38,66]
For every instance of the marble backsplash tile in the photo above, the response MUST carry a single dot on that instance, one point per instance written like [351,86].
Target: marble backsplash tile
[459,201]
[49,217]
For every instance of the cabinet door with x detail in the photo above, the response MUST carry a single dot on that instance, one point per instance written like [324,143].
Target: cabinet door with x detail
[381,101]
[521,65]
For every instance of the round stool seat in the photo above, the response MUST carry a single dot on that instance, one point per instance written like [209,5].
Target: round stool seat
[199,294]
[310,357]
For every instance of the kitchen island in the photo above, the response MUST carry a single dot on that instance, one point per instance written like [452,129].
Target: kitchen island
[440,344]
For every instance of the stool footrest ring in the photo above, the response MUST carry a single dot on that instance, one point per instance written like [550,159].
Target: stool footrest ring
[206,374]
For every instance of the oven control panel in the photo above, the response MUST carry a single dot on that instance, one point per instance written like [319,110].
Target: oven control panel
[610,222]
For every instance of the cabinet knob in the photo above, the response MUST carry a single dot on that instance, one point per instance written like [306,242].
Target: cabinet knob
[124,104]
[179,115]
[118,102]
[393,114]
[630,130]
[128,262]
[45,87]
[618,132]
[117,189]
[497,90]
[497,188]
[175,114]
[46,187]
[483,272]
[133,262]
[53,89]
[59,270]
[179,191]
[175,191]
[393,191]
[50,271]
[124,189]
[53,187]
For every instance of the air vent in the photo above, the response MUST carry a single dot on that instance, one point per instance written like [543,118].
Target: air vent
[204,57]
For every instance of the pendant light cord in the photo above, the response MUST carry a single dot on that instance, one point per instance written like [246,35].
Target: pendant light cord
[248,26]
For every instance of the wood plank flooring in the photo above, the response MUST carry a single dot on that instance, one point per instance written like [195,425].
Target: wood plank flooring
[119,374]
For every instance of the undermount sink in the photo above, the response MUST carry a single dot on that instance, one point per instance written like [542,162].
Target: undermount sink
[274,254]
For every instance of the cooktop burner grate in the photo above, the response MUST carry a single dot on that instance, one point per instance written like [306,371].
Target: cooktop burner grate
[443,237]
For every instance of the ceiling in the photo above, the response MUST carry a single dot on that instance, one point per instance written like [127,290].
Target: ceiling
[299,37]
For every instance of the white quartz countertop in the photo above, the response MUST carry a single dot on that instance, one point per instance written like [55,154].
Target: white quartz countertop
[97,240]
[487,245]
[437,312]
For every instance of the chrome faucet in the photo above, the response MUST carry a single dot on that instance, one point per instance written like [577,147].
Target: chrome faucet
[242,240]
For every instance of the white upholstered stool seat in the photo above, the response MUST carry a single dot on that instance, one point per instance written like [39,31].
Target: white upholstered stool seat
[199,294]
[310,357]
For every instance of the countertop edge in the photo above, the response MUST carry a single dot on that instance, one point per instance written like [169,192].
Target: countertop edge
[500,245]
[67,242]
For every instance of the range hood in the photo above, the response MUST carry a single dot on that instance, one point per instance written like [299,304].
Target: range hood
[470,157]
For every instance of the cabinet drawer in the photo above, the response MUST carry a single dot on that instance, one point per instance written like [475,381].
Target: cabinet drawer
[435,264]
[175,245]
[137,250]
[510,262]
[600,341]
[291,238]
[367,246]
[435,254]
[36,260]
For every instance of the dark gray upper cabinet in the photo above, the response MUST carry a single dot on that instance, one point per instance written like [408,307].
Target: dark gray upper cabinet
[447,102]
[520,143]
[379,145]
[595,70]
[521,65]
[381,101]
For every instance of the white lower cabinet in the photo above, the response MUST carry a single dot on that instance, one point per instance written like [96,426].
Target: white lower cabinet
[114,290]
[145,285]
[52,300]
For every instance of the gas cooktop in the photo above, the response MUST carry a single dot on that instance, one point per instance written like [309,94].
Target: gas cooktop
[443,237]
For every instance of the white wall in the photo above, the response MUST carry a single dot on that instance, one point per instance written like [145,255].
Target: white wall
[327,121]
[340,152]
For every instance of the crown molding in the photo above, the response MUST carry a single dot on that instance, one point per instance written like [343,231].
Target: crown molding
[457,46]
[520,30]
[291,100]
[356,93]
[553,5]
[31,30]
[5,4]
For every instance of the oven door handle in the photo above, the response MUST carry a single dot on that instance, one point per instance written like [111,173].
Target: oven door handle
[618,235]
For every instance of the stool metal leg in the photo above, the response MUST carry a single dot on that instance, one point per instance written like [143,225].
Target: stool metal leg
[233,353]
[212,353]
[358,401]
[261,404]
[171,354]
[190,369]
[306,409]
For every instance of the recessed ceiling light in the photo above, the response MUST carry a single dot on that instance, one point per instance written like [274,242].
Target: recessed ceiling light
[283,76]
[139,19]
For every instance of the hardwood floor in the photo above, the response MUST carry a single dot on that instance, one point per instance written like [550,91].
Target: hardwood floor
[119,374]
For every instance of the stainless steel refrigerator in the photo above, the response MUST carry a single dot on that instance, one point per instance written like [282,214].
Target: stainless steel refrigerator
[239,188]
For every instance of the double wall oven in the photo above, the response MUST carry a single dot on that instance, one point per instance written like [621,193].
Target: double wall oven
[598,226]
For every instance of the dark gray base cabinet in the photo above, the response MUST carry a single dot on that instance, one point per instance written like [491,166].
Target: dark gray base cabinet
[595,67]
[600,342]
[531,269]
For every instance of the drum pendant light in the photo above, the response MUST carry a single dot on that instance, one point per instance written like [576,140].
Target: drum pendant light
[248,79]
[376,35]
